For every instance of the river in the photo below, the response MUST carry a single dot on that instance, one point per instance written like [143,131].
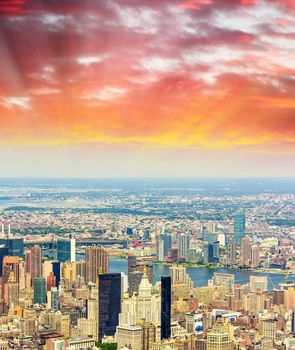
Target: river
[199,275]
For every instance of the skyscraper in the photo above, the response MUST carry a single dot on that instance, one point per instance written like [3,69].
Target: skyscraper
[208,254]
[39,291]
[164,244]
[245,258]
[109,303]
[239,227]
[165,307]
[14,245]
[36,262]
[66,250]
[293,321]
[232,252]
[51,281]
[255,258]
[97,260]
[3,253]
[54,298]
[258,283]
[224,279]
[183,244]
[56,271]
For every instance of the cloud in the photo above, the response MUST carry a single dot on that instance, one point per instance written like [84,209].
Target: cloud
[106,93]
[20,102]
[88,60]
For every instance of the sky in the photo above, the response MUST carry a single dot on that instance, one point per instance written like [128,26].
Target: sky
[151,88]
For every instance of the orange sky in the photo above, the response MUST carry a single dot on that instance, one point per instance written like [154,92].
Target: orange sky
[197,81]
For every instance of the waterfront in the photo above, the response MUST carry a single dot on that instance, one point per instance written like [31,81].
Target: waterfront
[200,275]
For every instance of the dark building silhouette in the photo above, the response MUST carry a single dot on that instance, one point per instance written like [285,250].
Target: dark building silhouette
[15,246]
[109,303]
[3,252]
[293,321]
[165,307]
[56,271]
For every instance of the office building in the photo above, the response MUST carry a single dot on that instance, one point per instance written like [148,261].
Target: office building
[164,244]
[293,321]
[14,245]
[66,250]
[11,263]
[35,257]
[258,283]
[239,227]
[165,307]
[224,279]
[54,298]
[96,261]
[3,253]
[231,252]
[56,271]
[245,256]
[255,258]
[183,245]
[51,281]
[39,290]
[109,303]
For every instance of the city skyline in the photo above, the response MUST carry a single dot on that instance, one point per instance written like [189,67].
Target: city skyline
[178,88]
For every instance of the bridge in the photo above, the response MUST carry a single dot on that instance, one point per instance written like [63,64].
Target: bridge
[51,244]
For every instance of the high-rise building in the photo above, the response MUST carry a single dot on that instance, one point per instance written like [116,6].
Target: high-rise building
[216,252]
[164,244]
[293,321]
[54,298]
[11,263]
[258,283]
[165,307]
[160,249]
[109,303]
[232,252]
[39,291]
[239,227]
[56,271]
[255,258]
[51,281]
[35,261]
[224,279]
[11,291]
[208,254]
[66,250]
[268,328]
[3,253]
[183,245]
[97,261]
[136,268]
[14,245]
[220,337]
[245,256]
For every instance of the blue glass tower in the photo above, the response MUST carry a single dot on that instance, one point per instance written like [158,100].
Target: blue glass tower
[239,227]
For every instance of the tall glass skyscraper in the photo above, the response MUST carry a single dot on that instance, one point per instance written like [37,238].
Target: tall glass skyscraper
[39,291]
[165,307]
[15,246]
[66,250]
[56,271]
[239,227]
[109,303]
